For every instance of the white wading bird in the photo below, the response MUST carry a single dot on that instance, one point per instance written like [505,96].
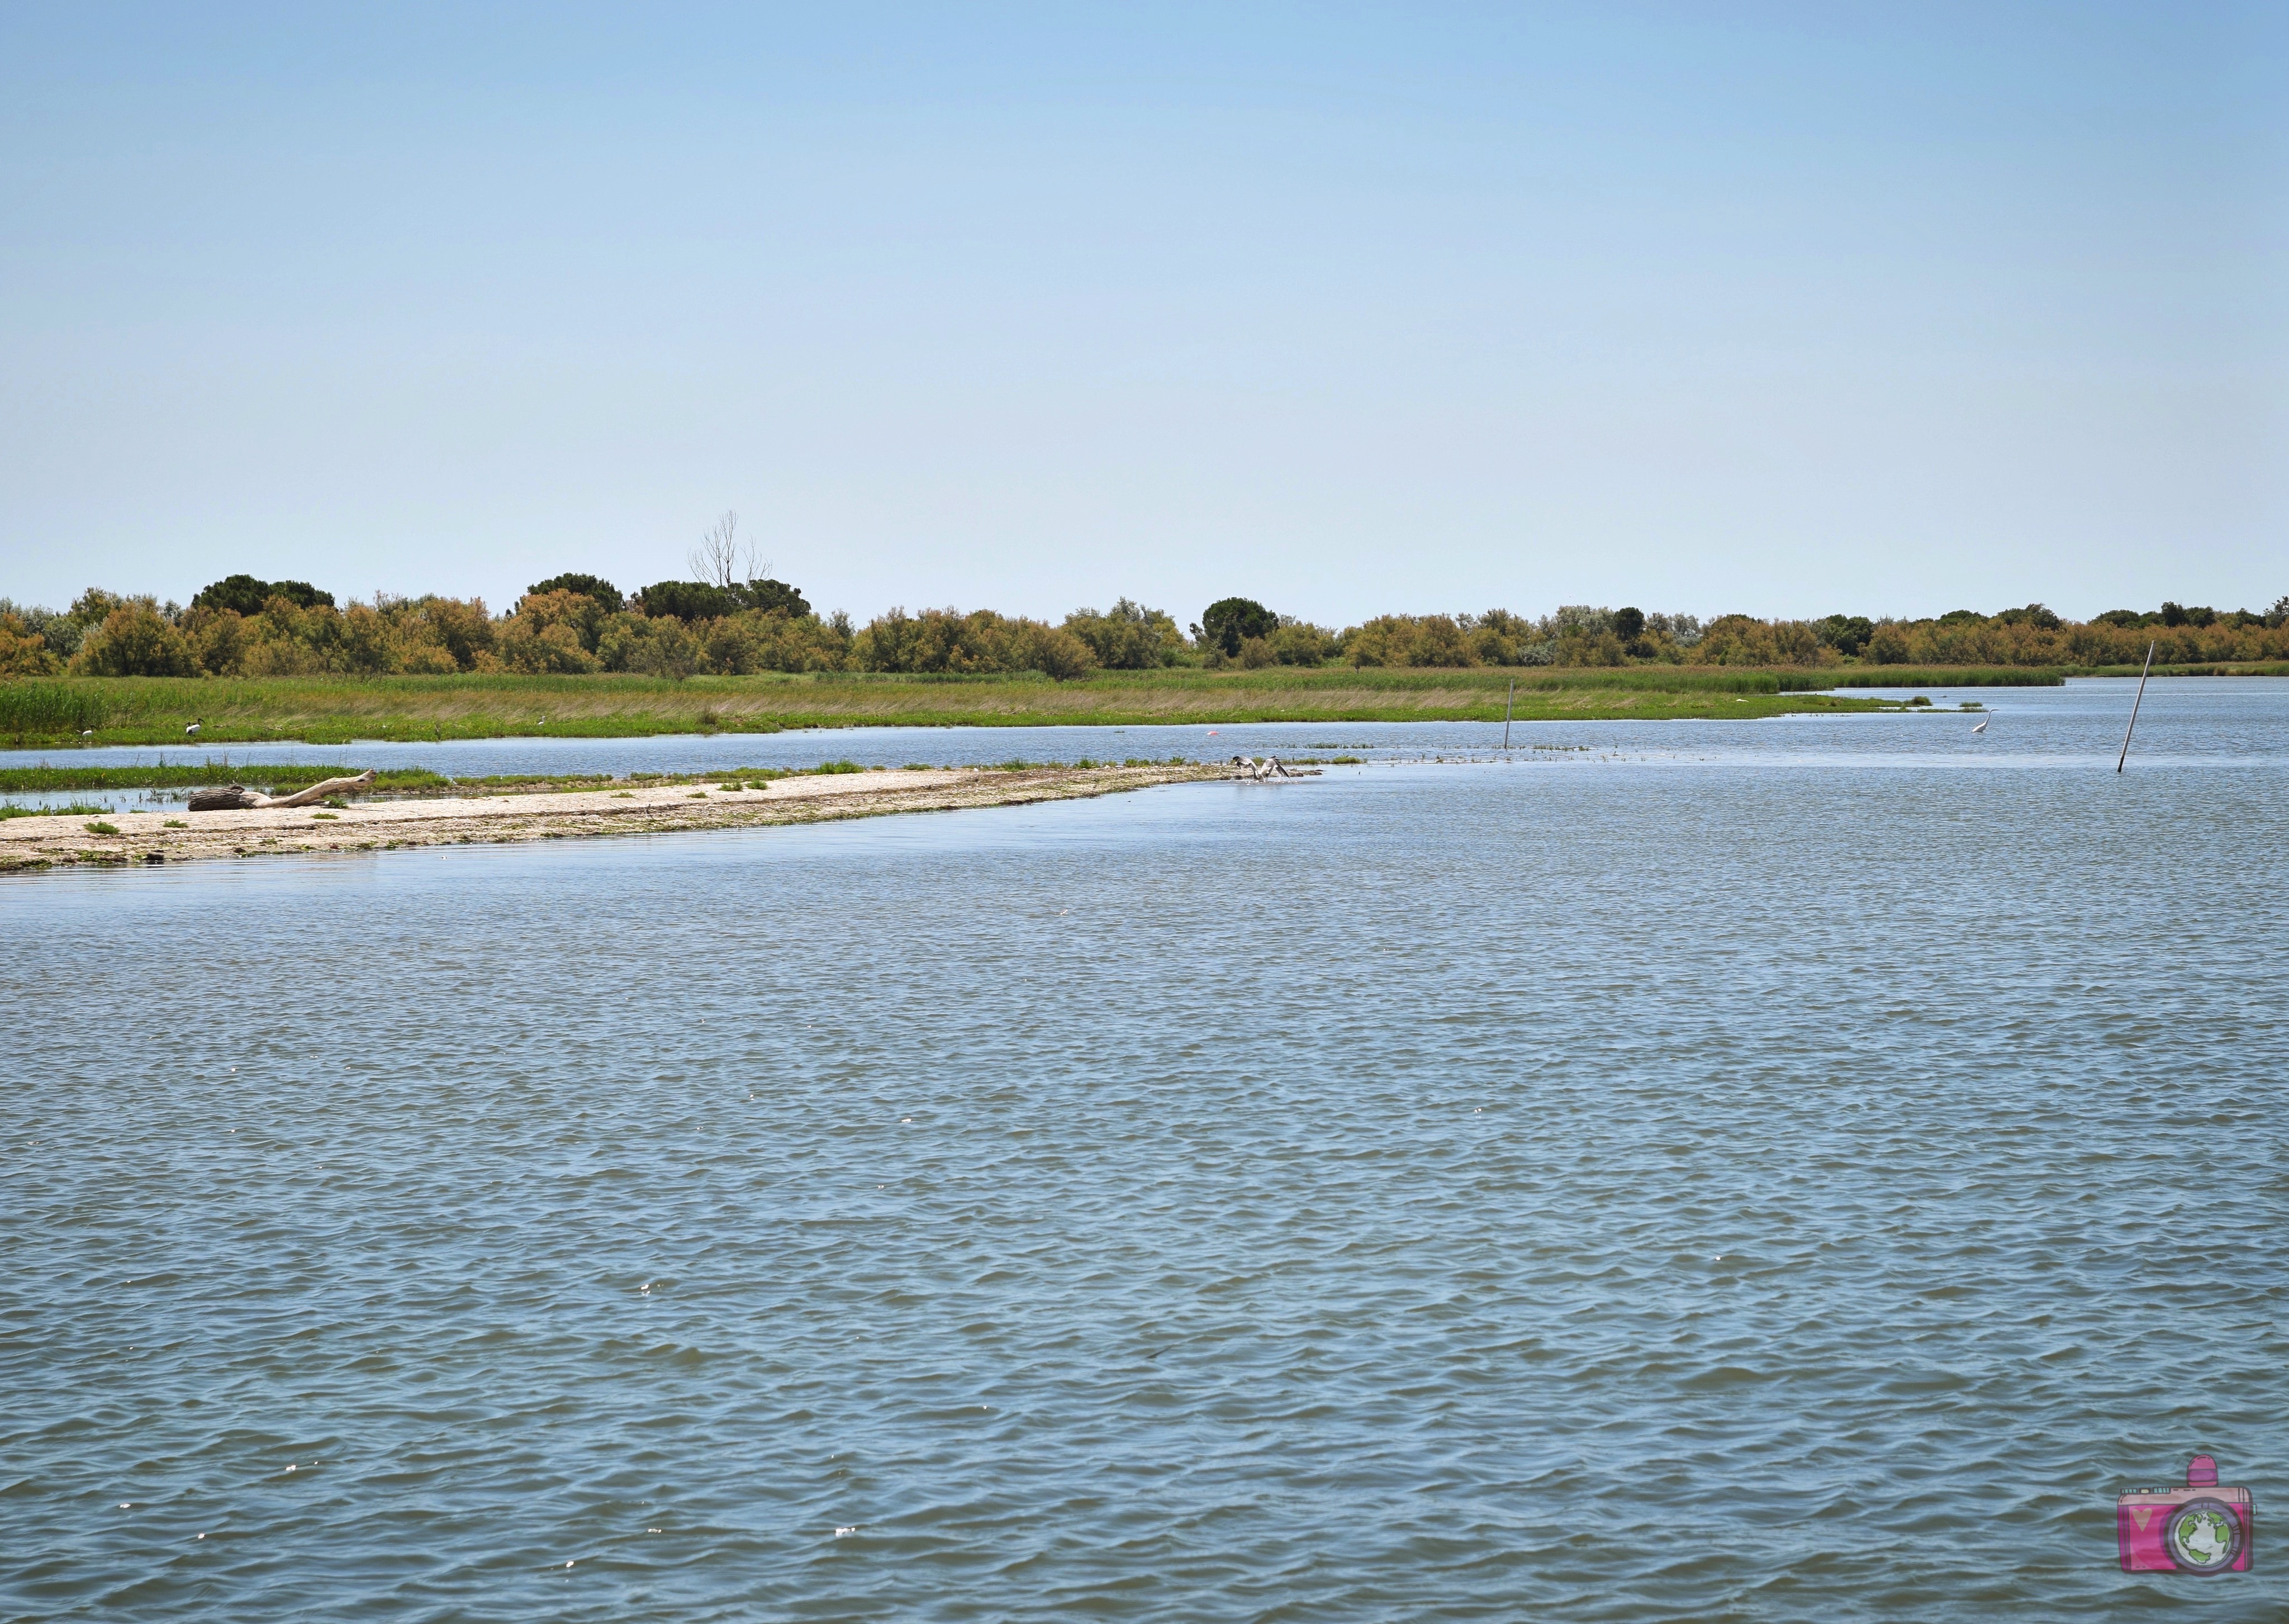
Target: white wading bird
[1982,727]
[192,731]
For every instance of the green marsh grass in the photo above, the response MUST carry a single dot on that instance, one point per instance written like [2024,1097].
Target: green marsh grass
[1928,676]
[52,710]
[344,709]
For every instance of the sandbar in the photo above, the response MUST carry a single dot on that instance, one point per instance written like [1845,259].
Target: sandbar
[626,808]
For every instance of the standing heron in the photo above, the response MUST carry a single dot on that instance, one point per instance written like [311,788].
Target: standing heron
[1982,727]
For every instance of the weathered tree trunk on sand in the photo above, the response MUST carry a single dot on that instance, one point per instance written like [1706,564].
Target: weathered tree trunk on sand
[238,798]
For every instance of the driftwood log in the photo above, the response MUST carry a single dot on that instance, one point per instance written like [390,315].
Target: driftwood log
[238,798]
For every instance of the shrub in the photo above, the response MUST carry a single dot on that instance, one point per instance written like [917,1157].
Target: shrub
[662,648]
[1298,643]
[1408,640]
[1742,639]
[24,652]
[983,642]
[606,595]
[581,613]
[1847,635]
[58,631]
[134,641]
[1129,636]
[529,644]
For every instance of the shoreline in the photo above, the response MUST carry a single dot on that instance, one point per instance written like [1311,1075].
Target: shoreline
[61,840]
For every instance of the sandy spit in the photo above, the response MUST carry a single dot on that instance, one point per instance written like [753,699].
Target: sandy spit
[381,825]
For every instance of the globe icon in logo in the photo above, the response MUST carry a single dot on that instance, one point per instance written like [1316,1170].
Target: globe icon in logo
[2202,1536]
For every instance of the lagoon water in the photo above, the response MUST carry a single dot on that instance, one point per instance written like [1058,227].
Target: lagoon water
[1798,1170]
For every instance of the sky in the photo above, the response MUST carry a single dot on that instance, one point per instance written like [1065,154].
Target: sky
[1351,309]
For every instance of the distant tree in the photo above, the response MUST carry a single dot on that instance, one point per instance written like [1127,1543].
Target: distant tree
[774,596]
[24,652]
[587,586]
[2174,614]
[2033,615]
[1230,622]
[1889,645]
[1847,635]
[135,640]
[92,606]
[688,600]
[722,559]
[1129,636]
[245,594]
[1629,624]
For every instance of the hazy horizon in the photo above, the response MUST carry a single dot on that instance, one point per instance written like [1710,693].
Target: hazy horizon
[1785,312]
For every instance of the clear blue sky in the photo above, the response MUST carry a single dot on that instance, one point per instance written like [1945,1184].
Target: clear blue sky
[1778,308]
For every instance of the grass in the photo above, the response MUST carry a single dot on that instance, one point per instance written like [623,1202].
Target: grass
[2275,669]
[1926,676]
[51,710]
[275,775]
[76,809]
[340,710]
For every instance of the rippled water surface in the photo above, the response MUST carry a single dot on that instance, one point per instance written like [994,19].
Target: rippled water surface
[1800,1169]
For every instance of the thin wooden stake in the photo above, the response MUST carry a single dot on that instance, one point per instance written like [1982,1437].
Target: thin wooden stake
[1506,704]
[2135,704]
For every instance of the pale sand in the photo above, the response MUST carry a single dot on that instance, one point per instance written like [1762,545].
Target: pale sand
[376,826]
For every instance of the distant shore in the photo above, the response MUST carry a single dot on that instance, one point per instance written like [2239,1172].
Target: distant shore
[723,802]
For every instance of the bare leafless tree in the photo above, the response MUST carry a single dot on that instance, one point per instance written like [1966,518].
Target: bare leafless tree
[723,559]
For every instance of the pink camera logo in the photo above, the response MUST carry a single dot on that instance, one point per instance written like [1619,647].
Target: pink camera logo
[2201,1528]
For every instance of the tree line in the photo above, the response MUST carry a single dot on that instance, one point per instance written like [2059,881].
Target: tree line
[736,624]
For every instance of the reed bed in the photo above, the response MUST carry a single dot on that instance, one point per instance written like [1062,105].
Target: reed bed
[1926,676]
[52,710]
[341,710]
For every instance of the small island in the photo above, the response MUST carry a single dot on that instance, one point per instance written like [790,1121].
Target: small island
[650,805]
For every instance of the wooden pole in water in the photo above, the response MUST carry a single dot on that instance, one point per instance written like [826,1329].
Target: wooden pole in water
[1507,705]
[2135,704]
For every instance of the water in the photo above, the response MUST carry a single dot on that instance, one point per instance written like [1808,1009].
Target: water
[1788,1170]
[2072,726]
